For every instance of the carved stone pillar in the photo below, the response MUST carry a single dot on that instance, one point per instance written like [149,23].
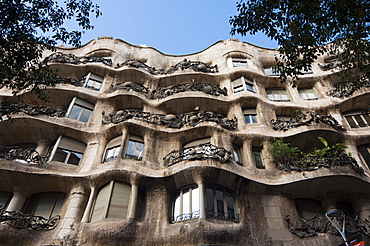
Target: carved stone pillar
[92,197]
[18,200]
[42,146]
[133,201]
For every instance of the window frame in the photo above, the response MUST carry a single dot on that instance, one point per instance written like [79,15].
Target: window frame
[136,139]
[85,107]
[357,113]
[97,79]
[63,141]
[236,62]
[192,213]
[250,116]
[107,204]
[115,145]
[33,202]
[5,198]
[303,91]
[274,92]
[258,158]
[242,84]
[269,70]
[364,151]
[216,214]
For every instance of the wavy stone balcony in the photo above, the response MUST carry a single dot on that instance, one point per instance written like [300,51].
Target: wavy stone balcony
[20,220]
[298,119]
[198,152]
[28,155]
[317,224]
[171,120]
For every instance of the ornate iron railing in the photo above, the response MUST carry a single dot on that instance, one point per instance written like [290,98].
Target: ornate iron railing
[186,216]
[129,86]
[222,216]
[15,153]
[20,220]
[317,224]
[170,120]
[207,88]
[310,163]
[185,64]
[298,119]
[198,152]
[30,110]
[60,57]
[345,90]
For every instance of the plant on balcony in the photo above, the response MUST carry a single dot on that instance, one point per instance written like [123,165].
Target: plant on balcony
[289,158]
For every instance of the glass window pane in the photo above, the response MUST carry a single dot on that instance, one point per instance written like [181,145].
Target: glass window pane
[139,149]
[75,112]
[209,202]
[195,199]
[254,118]
[85,115]
[258,160]
[58,204]
[238,88]
[249,87]
[60,155]
[185,201]
[5,198]
[230,205]
[130,149]
[247,118]
[303,95]
[220,202]
[365,152]
[74,158]
[45,205]
[177,206]
[360,121]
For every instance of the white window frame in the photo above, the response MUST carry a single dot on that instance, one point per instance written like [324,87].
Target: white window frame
[190,202]
[115,146]
[355,117]
[69,145]
[277,94]
[242,84]
[238,62]
[306,93]
[85,107]
[251,114]
[136,139]
[97,80]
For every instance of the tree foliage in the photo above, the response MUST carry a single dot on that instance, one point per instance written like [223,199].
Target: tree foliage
[305,30]
[27,28]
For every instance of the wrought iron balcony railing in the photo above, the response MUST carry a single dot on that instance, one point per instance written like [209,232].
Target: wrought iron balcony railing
[222,216]
[317,224]
[9,109]
[20,220]
[186,216]
[298,119]
[170,120]
[198,152]
[60,57]
[185,64]
[28,155]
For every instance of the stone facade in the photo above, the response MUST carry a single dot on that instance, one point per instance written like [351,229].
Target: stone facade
[136,147]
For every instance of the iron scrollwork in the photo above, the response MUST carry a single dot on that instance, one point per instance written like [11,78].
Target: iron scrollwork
[20,220]
[186,216]
[222,216]
[15,153]
[298,119]
[317,224]
[7,109]
[185,64]
[207,88]
[198,152]
[129,86]
[60,57]
[170,120]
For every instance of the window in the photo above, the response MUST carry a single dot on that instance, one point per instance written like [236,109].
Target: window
[93,81]
[242,84]
[134,148]
[47,204]
[307,94]
[238,62]
[250,116]
[357,119]
[67,150]
[308,208]
[257,158]
[112,201]
[220,204]
[112,149]
[237,154]
[186,204]
[271,71]
[80,110]
[277,94]
[5,198]
[365,153]
[198,142]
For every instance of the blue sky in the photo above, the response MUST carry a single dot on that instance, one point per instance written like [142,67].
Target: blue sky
[175,27]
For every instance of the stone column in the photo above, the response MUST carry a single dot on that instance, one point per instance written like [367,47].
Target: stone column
[92,197]
[363,206]
[133,201]
[202,212]
[18,200]
[42,146]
